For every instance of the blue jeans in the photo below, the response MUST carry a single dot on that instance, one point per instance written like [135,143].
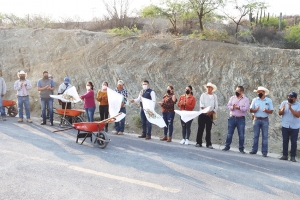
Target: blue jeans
[145,124]
[186,129]
[238,123]
[24,101]
[49,102]
[120,126]
[293,135]
[2,109]
[169,118]
[90,113]
[263,125]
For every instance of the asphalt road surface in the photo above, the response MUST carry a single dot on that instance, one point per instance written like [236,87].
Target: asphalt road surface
[38,164]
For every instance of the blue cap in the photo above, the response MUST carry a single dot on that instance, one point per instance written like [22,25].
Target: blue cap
[67,79]
[293,94]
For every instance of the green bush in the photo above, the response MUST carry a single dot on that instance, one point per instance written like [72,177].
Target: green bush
[292,37]
[137,121]
[273,22]
[125,31]
[210,34]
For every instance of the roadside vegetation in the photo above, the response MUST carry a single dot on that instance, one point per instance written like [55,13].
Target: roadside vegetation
[216,20]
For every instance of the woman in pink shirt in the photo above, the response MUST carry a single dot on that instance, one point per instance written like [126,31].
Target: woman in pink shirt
[89,101]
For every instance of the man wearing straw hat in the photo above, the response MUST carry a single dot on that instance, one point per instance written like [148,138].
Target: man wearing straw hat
[262,107]
[23,86]
[206,119]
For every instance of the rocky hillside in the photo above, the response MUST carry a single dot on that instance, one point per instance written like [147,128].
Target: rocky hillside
[97,57]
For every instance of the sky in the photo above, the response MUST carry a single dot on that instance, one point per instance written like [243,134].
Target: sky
[88,9]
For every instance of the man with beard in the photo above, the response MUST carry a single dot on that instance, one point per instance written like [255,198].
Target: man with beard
[238,106]
[46,87]
[290,111]
[23,86]
[261,106]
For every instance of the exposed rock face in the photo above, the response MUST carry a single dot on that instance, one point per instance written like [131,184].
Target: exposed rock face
[97,57]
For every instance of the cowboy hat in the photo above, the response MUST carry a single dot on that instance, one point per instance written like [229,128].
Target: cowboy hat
[21,72]
[262,88]
[209,84]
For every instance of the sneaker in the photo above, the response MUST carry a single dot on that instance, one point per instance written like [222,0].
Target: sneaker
[51,123]
[28,120]
[43,123]
[252,152]
[20,120]
[264,155]
[198,145]
[115,132]
[187,142]
[293,159]
[120,133]
[182,141]
[284,158]
[225,149]
[210,147]
[3,119]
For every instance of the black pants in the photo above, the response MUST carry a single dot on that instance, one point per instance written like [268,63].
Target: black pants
[186,129]
[203,120]
[103,110]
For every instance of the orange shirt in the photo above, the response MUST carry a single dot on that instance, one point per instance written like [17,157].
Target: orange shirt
[102,98]
[189,101]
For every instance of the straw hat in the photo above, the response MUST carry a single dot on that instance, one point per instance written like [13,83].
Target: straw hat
[209,84]
[263,89]
[21,72]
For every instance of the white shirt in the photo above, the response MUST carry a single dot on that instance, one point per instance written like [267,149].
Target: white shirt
[62,88]
[209,100]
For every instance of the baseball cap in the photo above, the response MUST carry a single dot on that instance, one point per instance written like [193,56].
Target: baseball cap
[120,82]
[293,94]
[66,80]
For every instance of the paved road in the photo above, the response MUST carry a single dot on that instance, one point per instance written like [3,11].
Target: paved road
[38,164]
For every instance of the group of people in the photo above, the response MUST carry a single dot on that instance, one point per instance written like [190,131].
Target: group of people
[260,108]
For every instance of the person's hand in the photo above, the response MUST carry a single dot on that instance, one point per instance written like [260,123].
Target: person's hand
[160,103]
[264,110]
[25,84]
[132,101]
[290,105]
[2,95]
[256,109]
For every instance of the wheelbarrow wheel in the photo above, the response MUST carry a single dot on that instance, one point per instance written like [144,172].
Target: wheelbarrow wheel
[103,136]
[79,119]
[12,111]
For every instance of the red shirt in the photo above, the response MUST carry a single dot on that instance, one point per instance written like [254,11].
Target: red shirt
[89,100]
[190,102]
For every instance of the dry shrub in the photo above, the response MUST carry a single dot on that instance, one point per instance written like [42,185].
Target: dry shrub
[261,33]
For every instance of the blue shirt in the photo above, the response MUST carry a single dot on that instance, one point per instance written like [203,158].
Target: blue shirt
[265,103]
[288,119]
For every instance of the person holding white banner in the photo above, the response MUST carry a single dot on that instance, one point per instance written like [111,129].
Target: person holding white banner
[148,94]
[120,126]
[167,106]
[89,101]
[205,120]
[186,102]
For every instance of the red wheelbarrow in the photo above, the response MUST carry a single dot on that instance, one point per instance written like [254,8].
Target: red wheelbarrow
[11,107]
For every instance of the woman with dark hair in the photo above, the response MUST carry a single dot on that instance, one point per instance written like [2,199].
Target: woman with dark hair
[89,101]
[103,103]
[167,106]
[186,102]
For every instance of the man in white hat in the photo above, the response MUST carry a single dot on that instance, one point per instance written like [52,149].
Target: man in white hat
[262,107]
[2,93]
[23,86]
[120,126]
[61,89]
[206,119]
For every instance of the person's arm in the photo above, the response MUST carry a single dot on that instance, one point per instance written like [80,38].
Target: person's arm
[17,85]
[52,85]
[4,88]
[281,109]
[216,104]
[28,85]
[180,101]
[174,98]
[294,112]
[190,105]
[40,88]
[245,106]
[230,104]
[88,94]
[153,97]
[202,101]
[137,100]
[98,96]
